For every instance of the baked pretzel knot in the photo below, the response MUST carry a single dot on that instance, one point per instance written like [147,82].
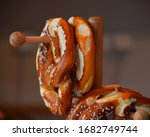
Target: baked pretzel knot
[85,55]
[66,73]
[54,61]
[110,102]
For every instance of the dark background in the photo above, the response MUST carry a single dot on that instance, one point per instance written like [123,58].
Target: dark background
[126,48]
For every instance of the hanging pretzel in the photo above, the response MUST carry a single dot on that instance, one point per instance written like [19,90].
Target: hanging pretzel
[110,102]
[54,61]
[85,55]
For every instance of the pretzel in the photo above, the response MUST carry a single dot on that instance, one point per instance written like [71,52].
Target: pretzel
[110,102]
[85,55]
[53,62]
[56,67]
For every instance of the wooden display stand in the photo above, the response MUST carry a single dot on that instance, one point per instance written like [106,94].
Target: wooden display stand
[17,39]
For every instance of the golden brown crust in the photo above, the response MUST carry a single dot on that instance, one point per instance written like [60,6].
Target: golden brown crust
[60,100]
[109,102]
[54,61]
[85,54]
[67,60]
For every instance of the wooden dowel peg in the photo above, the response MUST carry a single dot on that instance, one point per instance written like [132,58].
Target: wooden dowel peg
[17,39]
[96,23]
[140,115]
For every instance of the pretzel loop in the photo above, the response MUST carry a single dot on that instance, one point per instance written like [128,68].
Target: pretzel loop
[85,55]
[109,102]
[54,61]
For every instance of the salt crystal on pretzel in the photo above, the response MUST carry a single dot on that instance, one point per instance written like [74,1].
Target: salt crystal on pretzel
[111,102]
[54,61]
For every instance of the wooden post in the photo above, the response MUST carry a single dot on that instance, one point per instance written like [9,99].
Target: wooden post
[96,23]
